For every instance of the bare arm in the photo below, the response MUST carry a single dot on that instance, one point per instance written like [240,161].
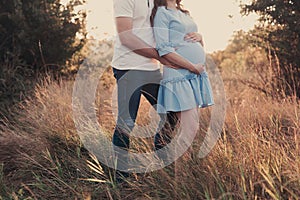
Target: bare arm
[131,41]
[183,63]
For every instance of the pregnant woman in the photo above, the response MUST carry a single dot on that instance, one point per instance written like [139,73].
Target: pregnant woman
[187,88]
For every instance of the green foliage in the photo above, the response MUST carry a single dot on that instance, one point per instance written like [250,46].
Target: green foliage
[37,37]
[236,55]
[279,34]
[42,33]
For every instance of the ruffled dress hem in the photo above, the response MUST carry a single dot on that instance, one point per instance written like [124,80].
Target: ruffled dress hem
[184,93]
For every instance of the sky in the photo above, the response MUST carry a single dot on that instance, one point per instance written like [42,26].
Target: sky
[216,19]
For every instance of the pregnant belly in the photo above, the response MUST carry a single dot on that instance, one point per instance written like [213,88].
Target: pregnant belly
[193,52]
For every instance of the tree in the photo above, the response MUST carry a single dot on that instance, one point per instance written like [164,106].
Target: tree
[40,34]
[36,37]
[279,34]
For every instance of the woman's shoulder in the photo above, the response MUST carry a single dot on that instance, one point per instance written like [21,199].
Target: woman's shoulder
[163,9]
[162,13]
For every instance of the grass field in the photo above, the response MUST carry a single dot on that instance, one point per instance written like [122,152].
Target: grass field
[257,157]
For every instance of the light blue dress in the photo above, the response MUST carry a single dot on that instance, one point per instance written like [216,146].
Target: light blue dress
[180,89]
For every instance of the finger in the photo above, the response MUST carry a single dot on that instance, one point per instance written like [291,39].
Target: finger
[187,37]
[199,38]
[189,34]
[202,43]
[195,39]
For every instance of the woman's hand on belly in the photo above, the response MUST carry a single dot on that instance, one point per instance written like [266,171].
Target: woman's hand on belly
[194,37]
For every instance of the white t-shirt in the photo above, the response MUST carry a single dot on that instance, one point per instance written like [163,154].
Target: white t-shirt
[140,12]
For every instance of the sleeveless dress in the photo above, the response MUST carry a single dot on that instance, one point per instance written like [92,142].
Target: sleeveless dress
[180,89]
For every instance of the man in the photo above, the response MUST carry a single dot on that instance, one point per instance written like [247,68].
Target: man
[137,71]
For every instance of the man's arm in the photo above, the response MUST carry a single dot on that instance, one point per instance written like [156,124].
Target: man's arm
[184,63]
[131,41]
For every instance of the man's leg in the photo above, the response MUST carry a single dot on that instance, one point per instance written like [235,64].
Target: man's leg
[169,120]
[165,130]
[165,134]
[128,102]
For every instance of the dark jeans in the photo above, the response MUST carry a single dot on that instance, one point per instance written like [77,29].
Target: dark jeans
[131,85]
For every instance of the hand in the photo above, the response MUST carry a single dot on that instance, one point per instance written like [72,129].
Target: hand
[167,63]
[194,37]
[198,68]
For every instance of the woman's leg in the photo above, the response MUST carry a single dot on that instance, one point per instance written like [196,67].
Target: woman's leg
[189,125]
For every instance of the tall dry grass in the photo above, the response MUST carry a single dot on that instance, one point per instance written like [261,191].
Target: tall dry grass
[257,157]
